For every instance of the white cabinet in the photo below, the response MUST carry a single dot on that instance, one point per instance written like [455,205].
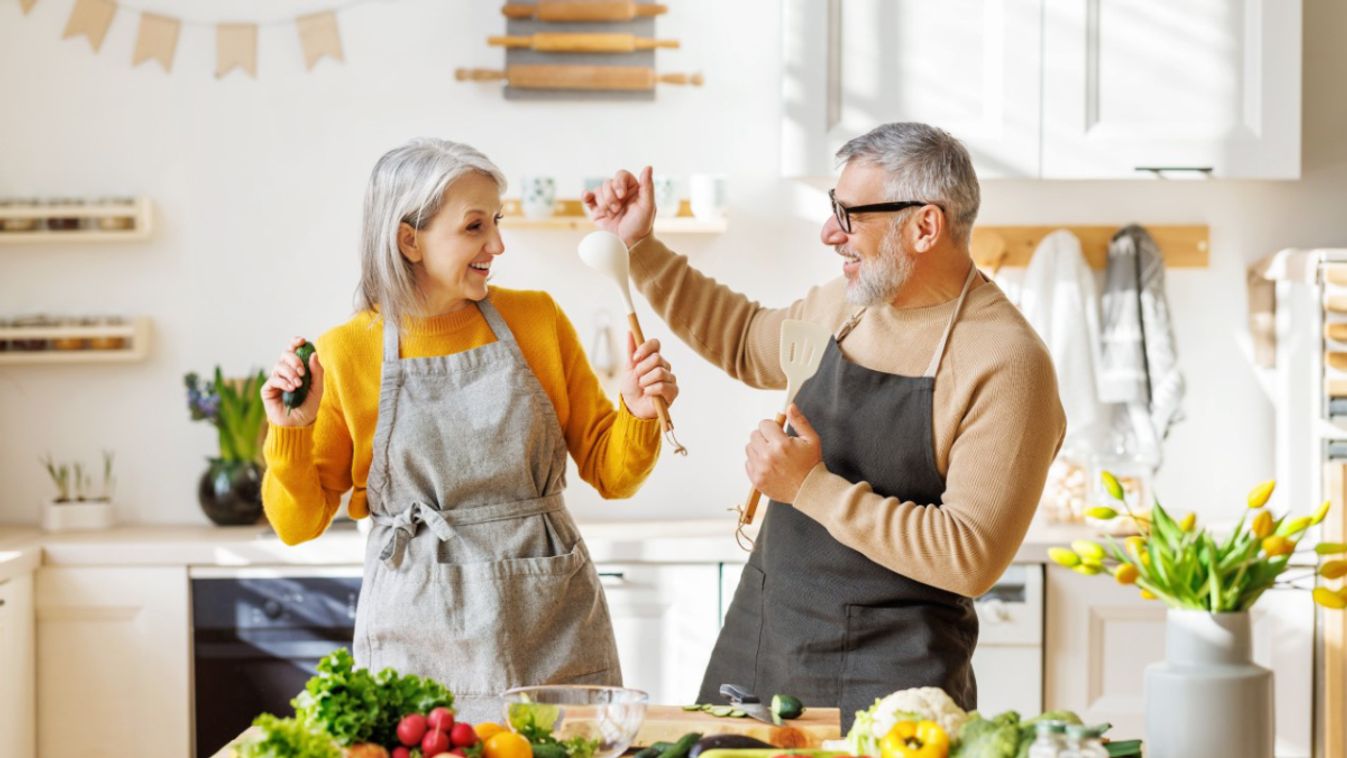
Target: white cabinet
[116,639]
[1210,85]
[968,66]
[1100,636]
[18,715]
[1054,89]
[665,618]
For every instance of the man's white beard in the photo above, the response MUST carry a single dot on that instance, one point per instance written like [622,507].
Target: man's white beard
[879,279]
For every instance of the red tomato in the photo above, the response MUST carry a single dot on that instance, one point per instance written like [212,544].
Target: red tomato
[411,729]
[441,718]
[434,743]
[401,752]
[463,735]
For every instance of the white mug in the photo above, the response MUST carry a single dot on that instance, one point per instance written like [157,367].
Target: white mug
[708,196]
[538,196]
[666,195]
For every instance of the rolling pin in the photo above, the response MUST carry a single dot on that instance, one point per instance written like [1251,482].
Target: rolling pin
[583,43]
[577,77]
[583,10]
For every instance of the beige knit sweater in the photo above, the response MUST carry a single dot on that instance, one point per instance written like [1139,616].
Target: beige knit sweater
[997,421]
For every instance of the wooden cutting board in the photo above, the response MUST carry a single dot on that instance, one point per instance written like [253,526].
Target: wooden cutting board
[666,723]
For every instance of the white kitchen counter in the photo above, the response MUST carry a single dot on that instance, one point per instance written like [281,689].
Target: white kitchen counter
[705,541]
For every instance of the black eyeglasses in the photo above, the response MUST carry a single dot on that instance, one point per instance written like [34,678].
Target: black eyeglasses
[843,213]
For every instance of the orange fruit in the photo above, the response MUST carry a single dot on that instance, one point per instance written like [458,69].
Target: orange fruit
[507,745]
[488,729]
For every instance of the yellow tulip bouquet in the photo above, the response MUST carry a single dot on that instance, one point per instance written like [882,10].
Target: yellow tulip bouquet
[1189,568]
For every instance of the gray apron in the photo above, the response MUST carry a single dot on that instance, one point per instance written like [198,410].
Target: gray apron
[816,619]
[475,574]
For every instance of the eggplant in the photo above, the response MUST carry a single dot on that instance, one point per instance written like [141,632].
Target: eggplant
[726,742]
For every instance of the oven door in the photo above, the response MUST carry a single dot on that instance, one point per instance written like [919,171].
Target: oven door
[257,638]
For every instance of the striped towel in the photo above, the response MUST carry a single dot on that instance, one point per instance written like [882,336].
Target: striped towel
[1139,367]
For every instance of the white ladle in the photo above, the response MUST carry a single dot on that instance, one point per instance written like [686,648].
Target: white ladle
[606,253]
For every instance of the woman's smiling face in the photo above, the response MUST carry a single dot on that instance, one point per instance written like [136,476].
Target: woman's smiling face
[454,252]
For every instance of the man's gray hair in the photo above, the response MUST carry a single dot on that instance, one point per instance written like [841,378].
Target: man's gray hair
[407,185]
[923,163]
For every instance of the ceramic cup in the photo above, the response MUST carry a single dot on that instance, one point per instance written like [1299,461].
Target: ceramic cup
[666,195]
[707,196]
[538,196]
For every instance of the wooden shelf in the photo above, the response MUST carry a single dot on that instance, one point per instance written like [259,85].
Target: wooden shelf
[136,332]
[570,216]
[140,213]
[1014,246]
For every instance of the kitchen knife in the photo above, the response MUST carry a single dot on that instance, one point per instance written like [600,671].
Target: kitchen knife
[746,701]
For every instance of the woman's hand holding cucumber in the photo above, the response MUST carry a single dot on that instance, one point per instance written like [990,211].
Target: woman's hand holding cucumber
[295,386]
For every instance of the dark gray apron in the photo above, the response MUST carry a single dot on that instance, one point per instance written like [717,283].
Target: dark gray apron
[818,620]
[475,574]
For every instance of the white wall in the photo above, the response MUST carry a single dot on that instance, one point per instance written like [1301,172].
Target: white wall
[257,186]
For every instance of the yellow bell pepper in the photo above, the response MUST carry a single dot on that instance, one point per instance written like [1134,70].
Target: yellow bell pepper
[915,739]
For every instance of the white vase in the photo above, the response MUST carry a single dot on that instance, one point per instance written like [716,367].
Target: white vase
[64,517]
[1208,698]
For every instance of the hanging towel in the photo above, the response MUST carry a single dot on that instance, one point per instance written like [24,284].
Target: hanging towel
[1139,367]
[1060,299]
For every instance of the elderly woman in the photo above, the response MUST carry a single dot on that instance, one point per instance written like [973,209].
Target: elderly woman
[450,410]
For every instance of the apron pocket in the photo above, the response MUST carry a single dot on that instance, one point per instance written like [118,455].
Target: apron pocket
[894,648]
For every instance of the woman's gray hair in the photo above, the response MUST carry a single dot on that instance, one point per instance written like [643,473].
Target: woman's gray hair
[407,185]
[923,163]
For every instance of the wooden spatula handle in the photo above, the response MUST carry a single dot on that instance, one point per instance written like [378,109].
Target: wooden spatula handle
[661,407]
[751,505]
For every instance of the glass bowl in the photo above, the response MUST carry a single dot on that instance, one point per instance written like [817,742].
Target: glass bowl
[609,715]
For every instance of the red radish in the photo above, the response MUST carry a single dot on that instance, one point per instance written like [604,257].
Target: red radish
[463,735]
[411,729]
[401,752]
[434,743]
[441,718]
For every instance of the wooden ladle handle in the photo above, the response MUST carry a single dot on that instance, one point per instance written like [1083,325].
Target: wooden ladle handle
[661,407]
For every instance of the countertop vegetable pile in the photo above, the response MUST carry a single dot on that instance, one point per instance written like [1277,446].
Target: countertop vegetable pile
[346,712]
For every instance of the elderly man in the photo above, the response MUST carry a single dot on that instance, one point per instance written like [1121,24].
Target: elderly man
[919,449]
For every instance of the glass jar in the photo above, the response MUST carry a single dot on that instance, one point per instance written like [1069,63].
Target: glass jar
[118,222]
[10,223]
[66,342]
[30,344]
[64,222]
[108,341]
[1047,740]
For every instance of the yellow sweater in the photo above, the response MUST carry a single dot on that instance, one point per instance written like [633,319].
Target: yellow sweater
[310,468]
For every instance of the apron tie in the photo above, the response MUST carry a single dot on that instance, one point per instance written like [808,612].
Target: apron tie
[404,528]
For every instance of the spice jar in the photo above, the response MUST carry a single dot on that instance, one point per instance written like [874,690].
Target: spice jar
[117,222]
[108,341]
[64,222]
[10,223]
[29,344]
[68,342]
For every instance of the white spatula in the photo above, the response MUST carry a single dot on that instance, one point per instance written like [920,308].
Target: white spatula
[802,346]
[606,253]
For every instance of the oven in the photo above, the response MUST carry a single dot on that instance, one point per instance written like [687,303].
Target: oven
[257,636]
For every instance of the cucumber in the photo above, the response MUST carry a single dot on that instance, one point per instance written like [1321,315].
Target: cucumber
[725,742]
[680,748]
[550,750]
[292,399]
[720,711]
[787,707]
[738,714]
[692,707]
[775,752]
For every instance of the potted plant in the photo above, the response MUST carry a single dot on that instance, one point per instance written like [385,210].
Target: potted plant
[78,505]
[1210,582]
[230,490]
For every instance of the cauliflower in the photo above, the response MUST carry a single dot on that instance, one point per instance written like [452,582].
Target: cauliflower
[913,704]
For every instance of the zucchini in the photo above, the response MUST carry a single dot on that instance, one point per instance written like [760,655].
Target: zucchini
[292,399]
[725,742]
[787,707]
[653,751]
[680,748]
